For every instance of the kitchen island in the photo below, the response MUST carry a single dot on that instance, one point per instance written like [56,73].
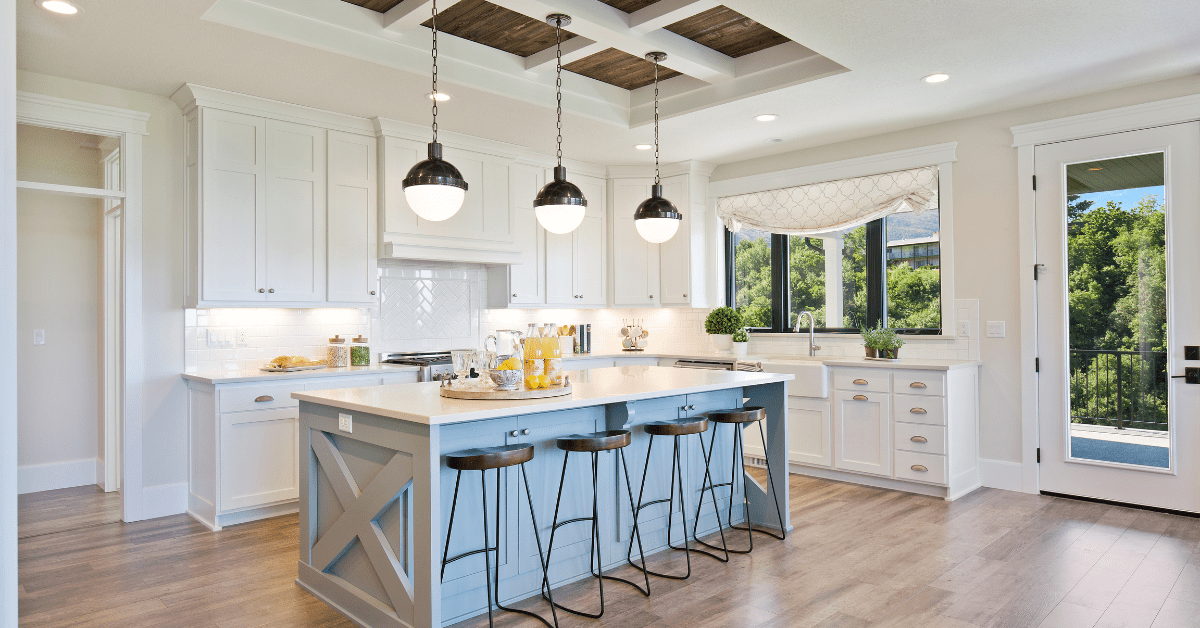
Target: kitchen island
[375,493]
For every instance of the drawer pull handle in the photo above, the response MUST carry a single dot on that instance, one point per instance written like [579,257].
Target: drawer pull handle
[860,397]
[919,467]
[262,398]
[919,411]
[860,382]
[919,439]
[917,385]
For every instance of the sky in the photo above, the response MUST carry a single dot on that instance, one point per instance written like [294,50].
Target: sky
[1127,198]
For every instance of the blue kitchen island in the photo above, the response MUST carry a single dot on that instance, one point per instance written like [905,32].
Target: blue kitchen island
[375,493]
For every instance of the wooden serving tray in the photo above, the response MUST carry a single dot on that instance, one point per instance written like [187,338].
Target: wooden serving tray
[521,393]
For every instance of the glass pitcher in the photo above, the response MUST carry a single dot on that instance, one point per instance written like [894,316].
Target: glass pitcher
[508,368]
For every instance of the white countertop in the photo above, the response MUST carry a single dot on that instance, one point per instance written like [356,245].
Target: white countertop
[928,364]
[255,375]
[422,403]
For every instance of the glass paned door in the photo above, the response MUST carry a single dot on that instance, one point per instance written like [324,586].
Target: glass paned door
[1116,303]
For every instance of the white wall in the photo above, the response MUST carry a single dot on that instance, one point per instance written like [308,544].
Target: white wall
[985,229]
[164,417]
[8,312]
[58,281]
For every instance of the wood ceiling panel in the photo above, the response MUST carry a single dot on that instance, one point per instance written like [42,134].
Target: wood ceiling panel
[727,32]
[381,6]
[619,68]
[485,23]
[629,6]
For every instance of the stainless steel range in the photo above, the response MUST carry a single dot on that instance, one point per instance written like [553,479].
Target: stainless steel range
[434,365]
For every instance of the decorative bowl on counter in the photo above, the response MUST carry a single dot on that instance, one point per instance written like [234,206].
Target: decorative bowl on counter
[508,379]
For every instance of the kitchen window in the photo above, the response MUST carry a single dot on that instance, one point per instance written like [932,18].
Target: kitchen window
[888,268]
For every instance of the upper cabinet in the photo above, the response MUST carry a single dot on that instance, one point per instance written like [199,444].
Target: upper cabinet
[281,203]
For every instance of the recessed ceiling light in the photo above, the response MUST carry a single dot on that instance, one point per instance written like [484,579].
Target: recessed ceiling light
[643,146]
[936,77]
[441,96]
[1094,169]
[775,140]
[766,117]
[59,6]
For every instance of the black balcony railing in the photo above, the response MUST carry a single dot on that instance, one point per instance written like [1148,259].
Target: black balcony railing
[1119,388]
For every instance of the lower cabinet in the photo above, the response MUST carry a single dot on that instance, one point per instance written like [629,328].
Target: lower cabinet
[243,446]
[862,432]
[810,439]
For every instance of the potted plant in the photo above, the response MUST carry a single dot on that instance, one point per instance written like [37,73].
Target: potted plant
[721,323]
[882,342]
[741,342]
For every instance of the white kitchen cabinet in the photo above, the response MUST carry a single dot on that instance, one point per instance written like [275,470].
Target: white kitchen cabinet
[635,278]
[259,194]
[243,444]
[810,438]
[862,432]
[522,283]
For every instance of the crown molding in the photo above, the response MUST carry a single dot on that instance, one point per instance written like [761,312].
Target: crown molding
[191,96]
[43,110]
[1133,117]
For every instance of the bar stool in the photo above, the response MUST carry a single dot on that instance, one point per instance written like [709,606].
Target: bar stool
[482,460]
[676,429]
[736,418]
[594,443]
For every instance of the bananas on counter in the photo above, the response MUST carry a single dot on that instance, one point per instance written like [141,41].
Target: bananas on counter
[289,361]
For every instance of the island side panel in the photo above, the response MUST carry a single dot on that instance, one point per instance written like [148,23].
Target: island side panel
[772,397]
[356,481]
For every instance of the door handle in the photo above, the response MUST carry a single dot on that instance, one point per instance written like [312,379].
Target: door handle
[918,385]
[919,411]
[860,382]
[919,467]
[262,398]
[860,397]
[919,439]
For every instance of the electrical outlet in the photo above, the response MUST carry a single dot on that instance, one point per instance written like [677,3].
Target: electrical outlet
[964,329]
[345,422]
[995,329]
[241,336]
[39,336]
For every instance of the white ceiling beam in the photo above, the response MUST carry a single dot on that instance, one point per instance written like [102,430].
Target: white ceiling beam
[410,14]
[666,12]
[573,49]
[610,27]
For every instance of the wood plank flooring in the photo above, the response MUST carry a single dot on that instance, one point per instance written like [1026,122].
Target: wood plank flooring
[858,557]
[65,509]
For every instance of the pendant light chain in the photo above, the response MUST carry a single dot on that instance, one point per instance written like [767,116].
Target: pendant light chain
[657,180]
[433,22]
[558,85]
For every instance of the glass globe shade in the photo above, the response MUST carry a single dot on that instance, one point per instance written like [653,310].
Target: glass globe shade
[560,219]
[657,230]
[434,202]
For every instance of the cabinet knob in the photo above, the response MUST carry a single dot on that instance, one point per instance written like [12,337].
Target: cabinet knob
[685,296]
[514,295]
[513,433]
[860,397]
[652,296]
[691,407]
[919,467]
[919,439]
[919,411]
[262,398]
[272,290]
[917,385]
[860,382]
[525,432]
[262,289]
[372,293]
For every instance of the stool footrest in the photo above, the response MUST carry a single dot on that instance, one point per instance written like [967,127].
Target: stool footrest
[470,553]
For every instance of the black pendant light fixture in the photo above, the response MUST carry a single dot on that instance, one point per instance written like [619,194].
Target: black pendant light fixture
[434,188]
[656,218]
[560,205]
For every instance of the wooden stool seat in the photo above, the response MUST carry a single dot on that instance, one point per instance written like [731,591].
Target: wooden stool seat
[596,441]
[748,414]
[485,458]
[677,427]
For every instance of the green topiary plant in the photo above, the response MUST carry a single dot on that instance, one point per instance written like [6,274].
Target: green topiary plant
[723,320]
[885,342]
[741,335]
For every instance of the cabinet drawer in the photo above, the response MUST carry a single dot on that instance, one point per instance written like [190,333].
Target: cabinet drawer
[259,397]
[930,439]
[920,467]
[874,380]
[919,409]
[919,382]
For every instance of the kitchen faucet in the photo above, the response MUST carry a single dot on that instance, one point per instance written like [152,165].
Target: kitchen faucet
[812,347]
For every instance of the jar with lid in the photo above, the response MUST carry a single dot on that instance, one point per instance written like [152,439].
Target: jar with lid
[534,356]
[553,355]
[360,352]
[338,354]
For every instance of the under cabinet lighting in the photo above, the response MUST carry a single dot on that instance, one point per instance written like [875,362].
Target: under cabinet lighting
[766,117]
[936,77]
[775,140]
[59,6]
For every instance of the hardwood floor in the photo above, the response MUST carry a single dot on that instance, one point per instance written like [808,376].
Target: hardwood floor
[48,512]
[858,557]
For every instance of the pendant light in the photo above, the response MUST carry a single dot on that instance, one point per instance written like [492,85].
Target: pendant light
[656,218]
[560,205]
[434,188]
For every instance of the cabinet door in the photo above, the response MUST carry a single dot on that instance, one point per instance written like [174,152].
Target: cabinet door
[560,268]
[809,432]
[259,458]
[635,261]
[232,220]
[525,279]
[862,432]
[588,267]
[295,212]
[350,228]
[676,254]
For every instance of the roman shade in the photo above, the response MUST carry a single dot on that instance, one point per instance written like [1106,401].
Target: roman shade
[832,205]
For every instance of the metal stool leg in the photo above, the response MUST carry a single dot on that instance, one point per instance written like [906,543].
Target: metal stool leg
[453,507]
[676,465]
[707,484]
[486,553]
[537,537]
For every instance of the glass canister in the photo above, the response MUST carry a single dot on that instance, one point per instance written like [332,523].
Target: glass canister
[338,354]
[535,363]
[553,355]
[504,359]
[360,352]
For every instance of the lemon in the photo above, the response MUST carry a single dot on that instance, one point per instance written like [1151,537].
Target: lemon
[510,364]
[532,382]
[543,381]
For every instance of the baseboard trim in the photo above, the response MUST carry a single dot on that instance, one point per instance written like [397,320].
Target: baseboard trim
[35,478]
[1001,474]
[164,500]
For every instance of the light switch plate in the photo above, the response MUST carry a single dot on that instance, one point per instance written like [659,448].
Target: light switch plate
[39,336]
[995,329]
[964,329]
[345,422]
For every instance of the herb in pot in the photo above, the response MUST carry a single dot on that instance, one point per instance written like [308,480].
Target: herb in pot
[882,342]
